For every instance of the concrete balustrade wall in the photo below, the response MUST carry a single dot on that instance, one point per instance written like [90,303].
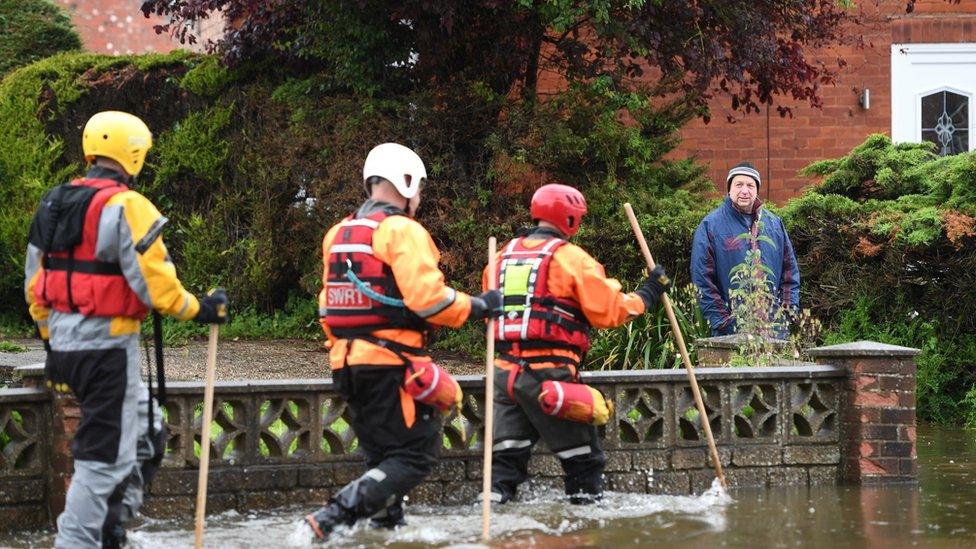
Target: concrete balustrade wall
[284,442]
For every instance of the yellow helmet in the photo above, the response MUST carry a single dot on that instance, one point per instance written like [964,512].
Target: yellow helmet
[117,135]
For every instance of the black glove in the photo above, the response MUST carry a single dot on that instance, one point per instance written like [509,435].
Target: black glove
[652,288]
[213,307]
[485,305]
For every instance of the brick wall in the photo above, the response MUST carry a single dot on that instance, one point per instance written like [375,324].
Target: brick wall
[781,146]
[117,27]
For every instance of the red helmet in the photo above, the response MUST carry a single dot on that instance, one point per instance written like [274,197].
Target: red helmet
[561,205]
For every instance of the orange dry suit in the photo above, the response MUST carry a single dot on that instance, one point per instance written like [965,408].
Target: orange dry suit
[382,292]
[554,292]
[571,293]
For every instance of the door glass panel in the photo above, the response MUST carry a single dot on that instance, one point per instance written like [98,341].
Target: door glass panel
[945,122]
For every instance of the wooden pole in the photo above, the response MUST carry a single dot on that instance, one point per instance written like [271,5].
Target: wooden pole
[488,437]
[676,329]
[205,433]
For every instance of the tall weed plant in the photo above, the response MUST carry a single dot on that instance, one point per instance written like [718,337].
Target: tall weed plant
[648,341]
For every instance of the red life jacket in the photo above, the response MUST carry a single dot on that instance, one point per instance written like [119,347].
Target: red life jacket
[72,279]
[533,317]
[350,312]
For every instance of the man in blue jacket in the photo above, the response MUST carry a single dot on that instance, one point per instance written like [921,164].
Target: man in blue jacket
[717,248]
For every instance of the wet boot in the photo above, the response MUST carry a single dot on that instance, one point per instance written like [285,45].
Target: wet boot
[582,498]
[113,537]
[584,478]
[113,534]
[389,518]
[359,499]
[324,521]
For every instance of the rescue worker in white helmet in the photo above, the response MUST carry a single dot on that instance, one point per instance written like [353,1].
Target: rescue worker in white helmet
[554,293]
[96,264]
[382,293]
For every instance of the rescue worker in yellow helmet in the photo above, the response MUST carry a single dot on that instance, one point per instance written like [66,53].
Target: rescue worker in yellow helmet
[96,264]
[554,293]
[382,293]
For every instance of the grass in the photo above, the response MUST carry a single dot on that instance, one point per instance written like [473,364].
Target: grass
[8,347]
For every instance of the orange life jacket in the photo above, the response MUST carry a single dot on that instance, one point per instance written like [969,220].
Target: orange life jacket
[72,279]
[533,317]
[350,311]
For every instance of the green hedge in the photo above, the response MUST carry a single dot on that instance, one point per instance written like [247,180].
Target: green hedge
[252,167]
[887,250]
[31,30]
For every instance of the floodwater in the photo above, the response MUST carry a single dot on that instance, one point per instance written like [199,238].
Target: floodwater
[940,511]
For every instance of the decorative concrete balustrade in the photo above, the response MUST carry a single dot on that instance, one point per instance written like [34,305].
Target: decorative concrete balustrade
[285,442]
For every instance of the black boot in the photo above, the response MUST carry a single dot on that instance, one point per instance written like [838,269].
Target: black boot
[113,537]
[389,518]
[324,521]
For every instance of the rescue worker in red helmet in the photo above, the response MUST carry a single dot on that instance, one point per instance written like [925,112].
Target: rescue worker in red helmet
[96,264]
[377,333]
[553,293]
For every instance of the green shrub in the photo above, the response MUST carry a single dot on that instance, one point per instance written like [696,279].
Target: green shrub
[31,30]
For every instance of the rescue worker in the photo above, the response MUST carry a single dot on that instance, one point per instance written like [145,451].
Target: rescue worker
[96,264]
[377,333]
[554,293]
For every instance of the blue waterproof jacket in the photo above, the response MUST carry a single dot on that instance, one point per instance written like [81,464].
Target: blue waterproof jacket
[716,249]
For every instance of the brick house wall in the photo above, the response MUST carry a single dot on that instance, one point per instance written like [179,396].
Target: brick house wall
[778,146]
[118,27]
[781,146]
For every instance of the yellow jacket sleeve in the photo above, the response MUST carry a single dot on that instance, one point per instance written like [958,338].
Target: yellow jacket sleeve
[144,260]
[408,249]
[32,271]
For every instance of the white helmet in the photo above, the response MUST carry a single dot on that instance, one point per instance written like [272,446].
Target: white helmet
[398,165]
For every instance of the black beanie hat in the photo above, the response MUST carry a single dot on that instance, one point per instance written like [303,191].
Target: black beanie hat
[743,168]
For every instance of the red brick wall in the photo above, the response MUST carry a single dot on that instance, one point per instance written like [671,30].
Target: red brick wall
[781,146]
[117,27]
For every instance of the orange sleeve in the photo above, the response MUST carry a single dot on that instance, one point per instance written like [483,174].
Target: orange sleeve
[326,246]
[573,272]
[484,273]
[408,249]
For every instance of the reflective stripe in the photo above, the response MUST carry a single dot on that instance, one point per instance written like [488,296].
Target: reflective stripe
[186,305]
[559,400]
[364,222]
[553,242]
[376,474]
[351,248]
[433,385]
[440,305]
[572,452]
[506,444]
[152,234]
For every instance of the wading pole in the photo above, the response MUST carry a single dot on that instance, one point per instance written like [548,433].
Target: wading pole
[489,403]
[681,346]
[205,433]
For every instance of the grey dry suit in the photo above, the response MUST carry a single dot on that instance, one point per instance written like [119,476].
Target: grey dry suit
[98,359]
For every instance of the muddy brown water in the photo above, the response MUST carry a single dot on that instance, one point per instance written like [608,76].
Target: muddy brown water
[939,511]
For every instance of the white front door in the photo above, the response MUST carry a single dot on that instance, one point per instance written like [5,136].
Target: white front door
[933,95]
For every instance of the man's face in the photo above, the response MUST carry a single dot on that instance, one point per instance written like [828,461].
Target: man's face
[743,192]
